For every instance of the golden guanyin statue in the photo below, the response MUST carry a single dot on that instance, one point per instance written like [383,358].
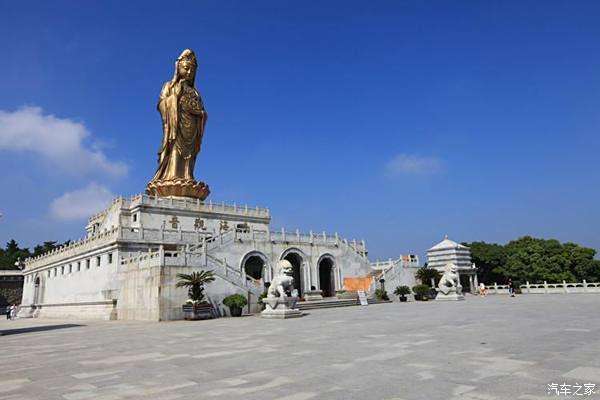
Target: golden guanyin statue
[183,120]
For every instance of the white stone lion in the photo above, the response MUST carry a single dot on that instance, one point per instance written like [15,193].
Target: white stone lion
[449,280]
[282,280]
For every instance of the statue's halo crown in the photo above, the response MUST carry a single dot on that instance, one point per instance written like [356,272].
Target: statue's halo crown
[187,56]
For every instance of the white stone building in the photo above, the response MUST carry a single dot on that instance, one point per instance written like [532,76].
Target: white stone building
[126,267]
[396,272]
[448,251]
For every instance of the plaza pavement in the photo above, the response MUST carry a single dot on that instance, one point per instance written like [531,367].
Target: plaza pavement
[492,348]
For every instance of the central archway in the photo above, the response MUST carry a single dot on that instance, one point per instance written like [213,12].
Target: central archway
[326,277]
[296,260]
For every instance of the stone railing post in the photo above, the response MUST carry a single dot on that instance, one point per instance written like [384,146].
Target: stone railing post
[161,254]
[495,288]
[584,286]
[565,286]
[527,286]
[545,287]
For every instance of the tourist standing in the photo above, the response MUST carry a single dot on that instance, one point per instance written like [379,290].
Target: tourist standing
[13,311]
[511,288]
[8,311]
[482,290]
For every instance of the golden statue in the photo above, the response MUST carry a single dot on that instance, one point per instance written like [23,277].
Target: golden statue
[183,120]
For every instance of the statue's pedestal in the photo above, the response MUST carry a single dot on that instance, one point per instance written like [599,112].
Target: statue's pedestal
[178,188]
[452,295]
[313,295]
[280,308]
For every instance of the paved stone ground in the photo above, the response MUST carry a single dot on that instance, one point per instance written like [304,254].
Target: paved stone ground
[492,348]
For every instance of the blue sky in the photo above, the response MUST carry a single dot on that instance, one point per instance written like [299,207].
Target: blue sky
[396,122]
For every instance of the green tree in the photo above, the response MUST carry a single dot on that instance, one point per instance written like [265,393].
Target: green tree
[426,274]
[10,255]
[489,258]
[195,283]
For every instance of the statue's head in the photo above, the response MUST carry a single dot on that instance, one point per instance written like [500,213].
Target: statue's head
[284,267]
[185,66]
[450,267]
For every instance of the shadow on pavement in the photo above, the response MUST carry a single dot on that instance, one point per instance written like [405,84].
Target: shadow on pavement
[32,329]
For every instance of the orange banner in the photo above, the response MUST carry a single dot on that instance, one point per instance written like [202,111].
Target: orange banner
[357,283]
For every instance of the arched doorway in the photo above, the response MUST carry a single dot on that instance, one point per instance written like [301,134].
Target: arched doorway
[254,267]
[36,290]
[326,281]
[253,264]
[296,260]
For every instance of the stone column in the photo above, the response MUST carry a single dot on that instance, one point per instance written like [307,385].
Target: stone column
[471,283]
[476,281]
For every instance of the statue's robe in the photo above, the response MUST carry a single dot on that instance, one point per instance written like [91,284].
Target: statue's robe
[183,120]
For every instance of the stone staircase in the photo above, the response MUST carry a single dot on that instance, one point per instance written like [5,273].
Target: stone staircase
[221,269]
[327,303]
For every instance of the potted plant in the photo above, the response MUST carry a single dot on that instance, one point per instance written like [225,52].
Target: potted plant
[401,292]
[196,307]
[235,302]
[260,303]
[381,295]
[421,292]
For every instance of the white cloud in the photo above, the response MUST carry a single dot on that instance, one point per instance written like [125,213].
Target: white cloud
[408,164]
[58,140]
[82,203]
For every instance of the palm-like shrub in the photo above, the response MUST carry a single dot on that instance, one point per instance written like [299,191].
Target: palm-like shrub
[195,283]
[402,290]
[425,274]
[421,291]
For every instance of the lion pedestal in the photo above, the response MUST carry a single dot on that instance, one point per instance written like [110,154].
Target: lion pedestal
[449,288]
[277,303]
[280,308]
[452,296]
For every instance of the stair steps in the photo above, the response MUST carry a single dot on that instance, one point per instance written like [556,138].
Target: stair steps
[313,305]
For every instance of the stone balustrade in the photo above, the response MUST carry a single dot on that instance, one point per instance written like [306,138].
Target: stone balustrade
[549,288]
[73,249]
[185,258]
[185,204]
[182,237]
[564,287]
[197,205]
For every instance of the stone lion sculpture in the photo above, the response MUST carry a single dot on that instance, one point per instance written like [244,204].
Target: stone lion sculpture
[449,280]
[282,280]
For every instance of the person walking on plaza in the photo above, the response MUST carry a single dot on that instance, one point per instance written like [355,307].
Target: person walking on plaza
[511,288]
[13,311]
[7,312]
